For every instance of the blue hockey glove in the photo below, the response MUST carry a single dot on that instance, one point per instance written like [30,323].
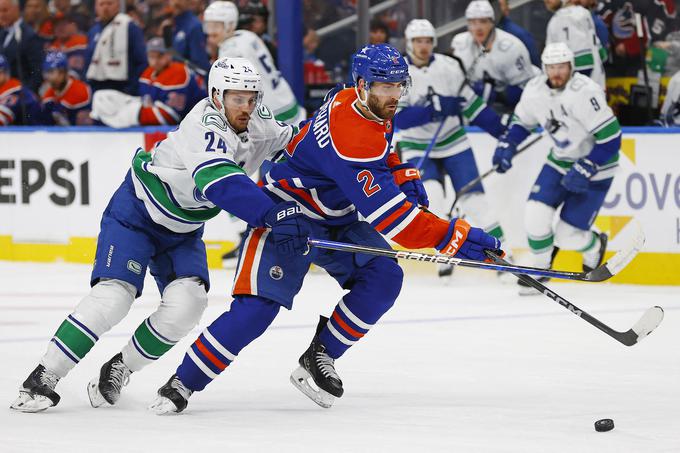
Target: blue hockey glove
[505,151]
[407,177]
[290,228]
[578,177]
[484,90]
[463,241]
[443,106]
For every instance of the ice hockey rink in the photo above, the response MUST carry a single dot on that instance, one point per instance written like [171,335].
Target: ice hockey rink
[465,367]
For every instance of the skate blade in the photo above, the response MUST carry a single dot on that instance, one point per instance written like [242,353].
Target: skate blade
[96,398]
[31,403]
[301,379]
[163,406]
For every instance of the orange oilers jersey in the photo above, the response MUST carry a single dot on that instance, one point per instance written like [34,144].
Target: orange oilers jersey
[12,96]
[169,95]
[70,106]
[337,170]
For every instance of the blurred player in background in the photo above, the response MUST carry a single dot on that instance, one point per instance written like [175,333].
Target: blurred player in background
[497,64]
[156,218]
[168,90]
[67,101]
[580,166]
[441,94]
[338,166]
[573,24]
[18,104]
[219,22]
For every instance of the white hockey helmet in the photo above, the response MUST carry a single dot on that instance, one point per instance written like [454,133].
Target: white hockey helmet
[555,53]
[232,73]
[221,11]
[480,9]
[419,28]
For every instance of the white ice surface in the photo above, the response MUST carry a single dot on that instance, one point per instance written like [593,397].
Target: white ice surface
[468,367]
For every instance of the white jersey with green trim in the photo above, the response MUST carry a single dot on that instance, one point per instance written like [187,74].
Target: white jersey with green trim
[507,63]
[203,150]
[277,93]
[443,76]
[576,118]
[574,26]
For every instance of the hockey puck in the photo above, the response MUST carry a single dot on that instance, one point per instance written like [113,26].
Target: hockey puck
[606,424]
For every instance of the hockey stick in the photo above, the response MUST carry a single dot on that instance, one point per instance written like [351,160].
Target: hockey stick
[469,186]
[599,274]
[649,321]
[429,148]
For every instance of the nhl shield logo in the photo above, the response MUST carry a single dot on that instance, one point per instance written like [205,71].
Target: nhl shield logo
[276,272]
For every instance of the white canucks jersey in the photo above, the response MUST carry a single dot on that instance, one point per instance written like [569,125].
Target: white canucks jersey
[507,63]
[203,150]
[576,118]
[443,76]
[670,110]
[277,93]
[574,26]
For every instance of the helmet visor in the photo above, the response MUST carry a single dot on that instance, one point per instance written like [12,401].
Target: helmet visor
[242,100]
[396,90]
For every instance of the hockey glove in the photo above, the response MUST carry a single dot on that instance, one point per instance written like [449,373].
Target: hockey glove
[444,106]
[408,179]
[290,228]
[464,241]
[578,177]
[502,157]
[485,90]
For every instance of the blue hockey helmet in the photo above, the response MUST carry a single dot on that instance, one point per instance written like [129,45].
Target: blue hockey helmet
[379,63]
[4,65]
[55,60]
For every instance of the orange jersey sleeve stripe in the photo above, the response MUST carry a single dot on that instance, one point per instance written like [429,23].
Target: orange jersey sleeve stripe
[426,230]
[302,194]
[394,216]
[290,149]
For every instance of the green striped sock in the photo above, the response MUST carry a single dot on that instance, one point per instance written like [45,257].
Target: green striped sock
[74,338]
[149,343]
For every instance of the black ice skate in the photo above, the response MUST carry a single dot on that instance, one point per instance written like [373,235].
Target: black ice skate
[37,392]
[319,366]
[173,397]
[113,376]
[595,258]
[526,290]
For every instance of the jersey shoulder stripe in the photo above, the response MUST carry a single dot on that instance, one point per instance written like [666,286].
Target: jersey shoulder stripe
[354,137]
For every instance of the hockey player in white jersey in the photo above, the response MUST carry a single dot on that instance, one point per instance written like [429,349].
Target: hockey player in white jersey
[219,23]
[155,219]
[670,110]
[573,24]
[581,164]
[440,93]
[497,64]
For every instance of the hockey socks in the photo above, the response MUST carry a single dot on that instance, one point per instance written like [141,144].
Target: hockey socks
[375,288]
[219,344]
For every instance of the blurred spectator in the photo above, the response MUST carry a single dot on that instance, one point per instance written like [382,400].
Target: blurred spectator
[38,17]
[168,89]
[73,44]
[379,33]
[197,7]
[67,101]
[318,13]
[21,46]
[507,25]
[116,54]
[314,70]
[254,17]
[185,32]
[671,45]
[18,105]
[80,12]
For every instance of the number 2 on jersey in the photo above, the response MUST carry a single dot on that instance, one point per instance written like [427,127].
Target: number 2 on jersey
[210,136]
[367,178]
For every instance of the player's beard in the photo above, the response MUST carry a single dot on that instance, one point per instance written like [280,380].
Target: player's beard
[382,109]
